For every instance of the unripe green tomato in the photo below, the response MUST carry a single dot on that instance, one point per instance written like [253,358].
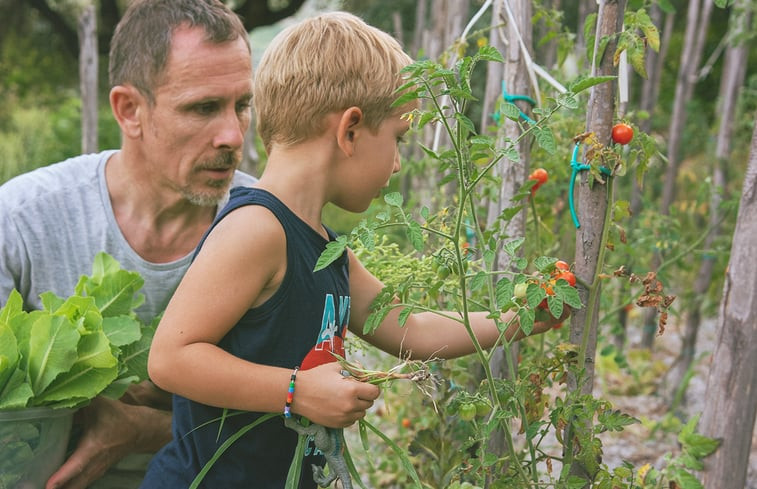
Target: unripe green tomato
[467,412]
[519,290]
[482,409]
[443,272]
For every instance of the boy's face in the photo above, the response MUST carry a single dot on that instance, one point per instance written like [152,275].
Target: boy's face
[378,158]
[193,133]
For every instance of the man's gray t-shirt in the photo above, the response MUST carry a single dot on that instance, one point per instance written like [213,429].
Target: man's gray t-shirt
[54,220]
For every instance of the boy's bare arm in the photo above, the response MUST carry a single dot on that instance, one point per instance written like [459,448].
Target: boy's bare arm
[426,334]
[213,295]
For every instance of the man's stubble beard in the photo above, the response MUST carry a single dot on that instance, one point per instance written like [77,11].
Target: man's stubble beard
[216,189]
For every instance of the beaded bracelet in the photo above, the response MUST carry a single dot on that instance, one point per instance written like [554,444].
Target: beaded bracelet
[290,394]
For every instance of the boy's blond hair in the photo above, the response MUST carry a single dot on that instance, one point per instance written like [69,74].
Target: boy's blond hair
[321,65]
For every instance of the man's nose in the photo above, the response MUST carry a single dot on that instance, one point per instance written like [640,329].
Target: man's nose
[231,130]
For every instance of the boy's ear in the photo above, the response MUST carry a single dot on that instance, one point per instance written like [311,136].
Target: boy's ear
[347,129]
[127,104]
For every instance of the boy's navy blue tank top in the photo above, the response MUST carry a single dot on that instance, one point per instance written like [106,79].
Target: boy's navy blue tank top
[299,325]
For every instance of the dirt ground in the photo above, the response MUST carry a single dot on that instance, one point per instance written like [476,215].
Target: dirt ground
[637,443]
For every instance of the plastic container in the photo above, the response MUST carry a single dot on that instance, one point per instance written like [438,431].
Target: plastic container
[33,444]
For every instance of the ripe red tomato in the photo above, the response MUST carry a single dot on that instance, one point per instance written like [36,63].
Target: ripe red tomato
[568,277]
[541,176]
[406,423]
[622,133]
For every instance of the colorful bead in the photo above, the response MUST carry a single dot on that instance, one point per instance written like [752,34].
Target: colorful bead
[290,394]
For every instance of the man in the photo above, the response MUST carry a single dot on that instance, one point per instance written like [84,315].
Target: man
[181,83]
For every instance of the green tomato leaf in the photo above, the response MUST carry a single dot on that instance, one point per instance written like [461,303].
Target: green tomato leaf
[555,305]
[490,53]
[583,84]
[545,139]
[394,199]
[512,246]
[568,100]
[334,249]
[534,295]
[404,315]
[503,292]
[526,318]
[415,235]
[510,110]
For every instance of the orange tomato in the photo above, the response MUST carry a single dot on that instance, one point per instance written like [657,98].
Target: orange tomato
[568,277]
[541,176]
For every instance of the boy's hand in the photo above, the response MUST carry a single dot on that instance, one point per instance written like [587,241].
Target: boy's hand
[546,321]
[326,397]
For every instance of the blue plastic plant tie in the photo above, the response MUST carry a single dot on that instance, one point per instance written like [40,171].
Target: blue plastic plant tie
[577,166]
[512,98]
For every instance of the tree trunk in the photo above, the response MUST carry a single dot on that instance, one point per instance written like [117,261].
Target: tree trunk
[731,397]
[514,74]
[691,54]
[730,85]
[87,28]
[447,22]
[592,203]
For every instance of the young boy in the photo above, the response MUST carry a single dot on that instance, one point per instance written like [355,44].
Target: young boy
[250,309]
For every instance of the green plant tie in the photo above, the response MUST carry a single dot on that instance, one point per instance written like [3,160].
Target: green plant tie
[507,97]
[577,166]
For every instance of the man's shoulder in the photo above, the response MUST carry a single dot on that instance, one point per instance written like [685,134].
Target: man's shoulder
[242,179]
[63,176]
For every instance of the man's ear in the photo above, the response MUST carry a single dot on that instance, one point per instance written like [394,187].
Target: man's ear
[127,104]
[347,128]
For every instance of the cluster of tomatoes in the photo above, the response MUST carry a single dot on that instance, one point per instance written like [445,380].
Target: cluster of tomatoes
[561,271]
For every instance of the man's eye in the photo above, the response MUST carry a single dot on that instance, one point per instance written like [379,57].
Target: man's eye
[205,108]
[242,106]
